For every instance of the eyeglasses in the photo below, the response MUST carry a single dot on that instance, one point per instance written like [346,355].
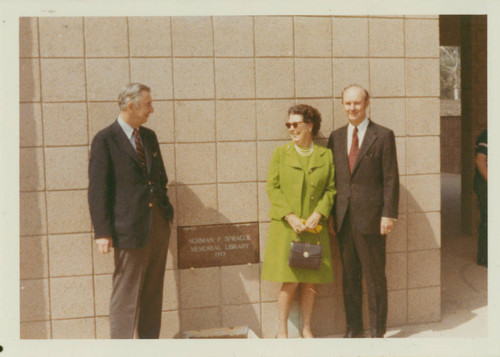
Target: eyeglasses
[294,124]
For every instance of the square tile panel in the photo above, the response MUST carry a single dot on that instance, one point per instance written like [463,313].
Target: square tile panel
[387,37]
[70,254]
[106,78]
[194,121]
[156,73]
[422,38]
[197,205]
[313,77]
[196,163]
[281,43]
[149,36]
[65,124]
[350,36]
[71,297]
[233,36]
[68,211]
[192,36]
[236,161]
[73,161]
[274,78]
[424,231]
[387,77]
[313,36]
[200,288]
[236,120]
[61,36]
[235,78]
[106,36]
[243,209]
[194,78]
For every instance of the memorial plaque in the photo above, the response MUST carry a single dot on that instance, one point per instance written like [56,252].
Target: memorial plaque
[218,245]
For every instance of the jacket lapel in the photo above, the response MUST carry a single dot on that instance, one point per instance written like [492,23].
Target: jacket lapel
[368,140]
[124,143]
[290,158]
[317,158]
[341,161]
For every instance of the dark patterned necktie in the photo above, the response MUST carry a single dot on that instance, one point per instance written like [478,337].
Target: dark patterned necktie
[138,147]
[353,153]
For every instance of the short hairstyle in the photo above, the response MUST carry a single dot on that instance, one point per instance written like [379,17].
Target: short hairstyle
[131,93]
[367,95]
[310,115]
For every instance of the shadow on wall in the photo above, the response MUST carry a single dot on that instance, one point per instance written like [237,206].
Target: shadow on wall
[220,296]
[463,282]
[35,310]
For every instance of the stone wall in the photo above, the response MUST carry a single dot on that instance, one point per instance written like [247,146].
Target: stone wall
[221,88]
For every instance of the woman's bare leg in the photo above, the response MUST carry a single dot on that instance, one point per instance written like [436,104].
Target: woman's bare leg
[307,298]
[285,299]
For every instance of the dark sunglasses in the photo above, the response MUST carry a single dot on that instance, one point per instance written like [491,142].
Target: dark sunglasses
[295,124]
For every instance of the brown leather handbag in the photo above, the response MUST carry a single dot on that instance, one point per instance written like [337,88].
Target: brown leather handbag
[305,255]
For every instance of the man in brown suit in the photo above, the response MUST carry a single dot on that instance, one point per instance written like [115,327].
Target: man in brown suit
[366,205]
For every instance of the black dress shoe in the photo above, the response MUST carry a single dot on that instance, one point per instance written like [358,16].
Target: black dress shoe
[350,333]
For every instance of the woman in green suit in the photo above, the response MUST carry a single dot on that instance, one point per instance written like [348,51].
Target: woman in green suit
[301,188]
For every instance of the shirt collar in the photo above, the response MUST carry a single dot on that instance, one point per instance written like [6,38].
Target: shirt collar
[126,128]
[361,127]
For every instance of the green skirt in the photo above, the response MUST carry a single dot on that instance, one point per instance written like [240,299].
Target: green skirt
[275,267]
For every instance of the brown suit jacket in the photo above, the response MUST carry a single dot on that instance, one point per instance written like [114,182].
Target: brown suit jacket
[372,190]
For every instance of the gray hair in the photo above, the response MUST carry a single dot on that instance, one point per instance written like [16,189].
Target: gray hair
[131,93]
[367,95]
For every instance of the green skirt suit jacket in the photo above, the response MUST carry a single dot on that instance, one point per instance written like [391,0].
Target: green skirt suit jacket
[298,185]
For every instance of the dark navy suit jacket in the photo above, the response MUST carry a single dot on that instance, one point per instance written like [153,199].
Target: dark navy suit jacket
[122,191]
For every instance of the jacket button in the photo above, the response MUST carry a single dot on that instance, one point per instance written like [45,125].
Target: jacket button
[150,205]
[310,171]
[312,197]
[312,184]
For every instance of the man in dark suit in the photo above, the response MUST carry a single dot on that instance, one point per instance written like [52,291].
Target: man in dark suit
[366,205]
[131,212]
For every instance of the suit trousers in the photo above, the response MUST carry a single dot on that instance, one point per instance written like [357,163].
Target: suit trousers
[363,254]
[137,295]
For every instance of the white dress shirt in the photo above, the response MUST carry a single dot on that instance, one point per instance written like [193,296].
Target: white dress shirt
[361,133]
[129,131]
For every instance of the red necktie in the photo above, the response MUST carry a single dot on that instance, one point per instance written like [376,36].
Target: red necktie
[138,147]
[353,153]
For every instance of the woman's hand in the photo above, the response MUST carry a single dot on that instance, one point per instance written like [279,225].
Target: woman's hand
[296,223]
[313,220]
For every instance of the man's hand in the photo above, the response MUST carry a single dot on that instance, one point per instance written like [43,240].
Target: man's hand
[296,223]
[104,244]
[386,225]
[331,225]
[313,220]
